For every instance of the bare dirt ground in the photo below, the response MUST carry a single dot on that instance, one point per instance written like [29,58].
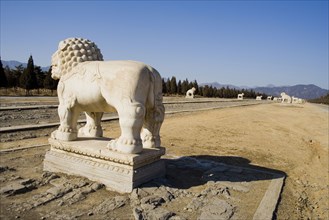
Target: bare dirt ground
[289,138]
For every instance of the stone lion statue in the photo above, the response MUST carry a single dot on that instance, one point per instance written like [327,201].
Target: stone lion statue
[285,97]
[190,93]
[240,96]
[89,84]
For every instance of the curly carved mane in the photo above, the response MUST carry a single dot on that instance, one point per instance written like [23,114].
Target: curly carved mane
[73,51]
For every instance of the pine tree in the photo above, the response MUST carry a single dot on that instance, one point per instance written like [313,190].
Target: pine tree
[164,87]
[10,77]
[168,86]
[179,87]
[50,83]
[17,73]
[40,75]
[3,78]
[28,79]
[196,86]
[173,85]
[185,86]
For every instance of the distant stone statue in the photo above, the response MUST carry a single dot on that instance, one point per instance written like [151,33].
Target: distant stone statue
[277,99]
[190,93]
[89,84]
[240,96]
[285,98]
[297,100]
[294,99]
[259,97]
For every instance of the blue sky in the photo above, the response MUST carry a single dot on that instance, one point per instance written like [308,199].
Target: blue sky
[250,43]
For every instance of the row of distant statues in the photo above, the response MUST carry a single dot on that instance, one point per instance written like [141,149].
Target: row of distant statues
[283,99]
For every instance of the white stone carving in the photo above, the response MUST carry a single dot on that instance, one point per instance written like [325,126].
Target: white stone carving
[285,98]
[190,93]
[294,99]
[240,96]
[297,100]
[117,171]
[89,84]
[259,97]
[277,99]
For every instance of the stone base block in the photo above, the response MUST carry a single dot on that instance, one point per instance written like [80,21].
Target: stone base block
[92,159]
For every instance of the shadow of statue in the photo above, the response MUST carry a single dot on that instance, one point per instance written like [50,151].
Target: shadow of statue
[189,171]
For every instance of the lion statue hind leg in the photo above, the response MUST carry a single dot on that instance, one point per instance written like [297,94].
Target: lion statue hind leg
[131,117]
[93,126]
[151,131]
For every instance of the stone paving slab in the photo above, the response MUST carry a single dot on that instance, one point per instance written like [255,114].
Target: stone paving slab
[194,187]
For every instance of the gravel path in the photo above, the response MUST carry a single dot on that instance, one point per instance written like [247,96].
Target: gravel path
[22,115]
[27,113]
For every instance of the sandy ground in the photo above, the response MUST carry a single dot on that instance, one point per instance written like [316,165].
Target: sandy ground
[289,138]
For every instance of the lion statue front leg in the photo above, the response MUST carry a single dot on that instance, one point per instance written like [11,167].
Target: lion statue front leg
[68,115]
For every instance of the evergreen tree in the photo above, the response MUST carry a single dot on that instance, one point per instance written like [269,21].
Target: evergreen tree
[196,86]
[168,88]
[185,86]
[164,87]
[50,83]
[201,91]
[40,75]
[179,87]
[17,73]
[28,79]
[3,78]
[10,77]
[206,92]
[173,85]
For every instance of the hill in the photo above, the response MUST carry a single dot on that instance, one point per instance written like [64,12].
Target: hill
[13,63]
[301,91]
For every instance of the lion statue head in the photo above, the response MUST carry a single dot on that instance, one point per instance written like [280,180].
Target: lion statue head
[70,53]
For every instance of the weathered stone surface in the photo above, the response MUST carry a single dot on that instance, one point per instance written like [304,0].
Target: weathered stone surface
[117,171]
[159,214]
[152,214]
[110,204]
[181,194]
[5,168]
[151,202]
[217,209]
[195,204]
[17,187]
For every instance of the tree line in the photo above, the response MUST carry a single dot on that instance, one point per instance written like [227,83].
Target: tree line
[29,78]
[321,100]
[170,86]
[32,77]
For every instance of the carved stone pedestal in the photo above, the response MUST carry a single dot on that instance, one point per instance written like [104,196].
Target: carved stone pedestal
[92,159]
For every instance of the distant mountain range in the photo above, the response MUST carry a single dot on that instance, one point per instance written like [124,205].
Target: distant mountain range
[13,63]
[301,91]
